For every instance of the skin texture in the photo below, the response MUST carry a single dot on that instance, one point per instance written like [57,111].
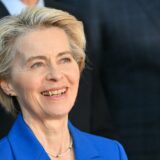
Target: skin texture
[45,65]
[29,2]
[44,62]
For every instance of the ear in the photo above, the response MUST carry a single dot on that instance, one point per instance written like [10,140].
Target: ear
[7,88]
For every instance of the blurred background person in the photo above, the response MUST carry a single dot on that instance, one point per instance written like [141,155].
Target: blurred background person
[125,36]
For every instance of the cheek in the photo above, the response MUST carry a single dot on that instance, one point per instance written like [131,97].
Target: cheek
[25,84]
[74,75]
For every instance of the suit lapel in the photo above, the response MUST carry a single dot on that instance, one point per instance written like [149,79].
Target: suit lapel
[3,10]
[49,2]
[83,148]
[66,6]
[59,4]
[24,144]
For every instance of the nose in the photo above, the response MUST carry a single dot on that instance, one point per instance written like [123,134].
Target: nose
[54,74]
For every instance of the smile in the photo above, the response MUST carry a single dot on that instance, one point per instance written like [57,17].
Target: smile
[54,92]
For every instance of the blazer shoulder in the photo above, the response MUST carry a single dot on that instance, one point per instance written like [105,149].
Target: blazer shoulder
[5,149]
[107,146]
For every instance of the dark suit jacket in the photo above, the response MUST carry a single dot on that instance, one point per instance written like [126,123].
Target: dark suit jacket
[21,144]
[128,33]
[6,120]
[91,95]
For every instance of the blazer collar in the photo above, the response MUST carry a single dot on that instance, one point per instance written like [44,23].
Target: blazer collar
[27,147]
[83,147]
[24,143]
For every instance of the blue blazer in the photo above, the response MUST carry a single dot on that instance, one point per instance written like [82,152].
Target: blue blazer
[21,144]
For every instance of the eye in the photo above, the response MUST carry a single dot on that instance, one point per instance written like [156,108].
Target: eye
[37,65]
[65,60]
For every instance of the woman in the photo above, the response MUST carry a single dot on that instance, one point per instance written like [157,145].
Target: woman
[41,58]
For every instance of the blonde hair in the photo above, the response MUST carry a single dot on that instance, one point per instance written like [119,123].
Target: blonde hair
[11,27]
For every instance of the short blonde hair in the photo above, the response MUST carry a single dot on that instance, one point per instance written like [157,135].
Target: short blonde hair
[11,27]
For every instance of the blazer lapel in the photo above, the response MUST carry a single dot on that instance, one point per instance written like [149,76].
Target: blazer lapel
[24,144]
[82,146]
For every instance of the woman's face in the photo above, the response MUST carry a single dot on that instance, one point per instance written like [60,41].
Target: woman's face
[44,76]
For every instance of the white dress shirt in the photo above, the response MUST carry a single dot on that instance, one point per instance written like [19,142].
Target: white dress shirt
[14,7]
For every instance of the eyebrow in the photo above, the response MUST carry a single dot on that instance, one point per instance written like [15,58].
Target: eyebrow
[64,53]
[45,58]
[32,58]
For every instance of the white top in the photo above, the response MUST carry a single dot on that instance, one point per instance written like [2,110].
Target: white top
[14,7]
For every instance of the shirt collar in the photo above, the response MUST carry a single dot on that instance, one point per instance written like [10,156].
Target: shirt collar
[14,7]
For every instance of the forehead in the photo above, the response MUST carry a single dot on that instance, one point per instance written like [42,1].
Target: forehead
[42,41]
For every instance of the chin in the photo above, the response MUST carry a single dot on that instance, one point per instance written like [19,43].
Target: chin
[58,113]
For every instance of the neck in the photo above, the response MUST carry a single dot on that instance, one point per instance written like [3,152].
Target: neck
[29,2]
[52,134]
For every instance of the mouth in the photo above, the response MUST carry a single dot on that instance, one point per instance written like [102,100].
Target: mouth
[54,92]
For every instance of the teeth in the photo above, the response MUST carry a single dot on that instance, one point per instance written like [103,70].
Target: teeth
[52,93]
